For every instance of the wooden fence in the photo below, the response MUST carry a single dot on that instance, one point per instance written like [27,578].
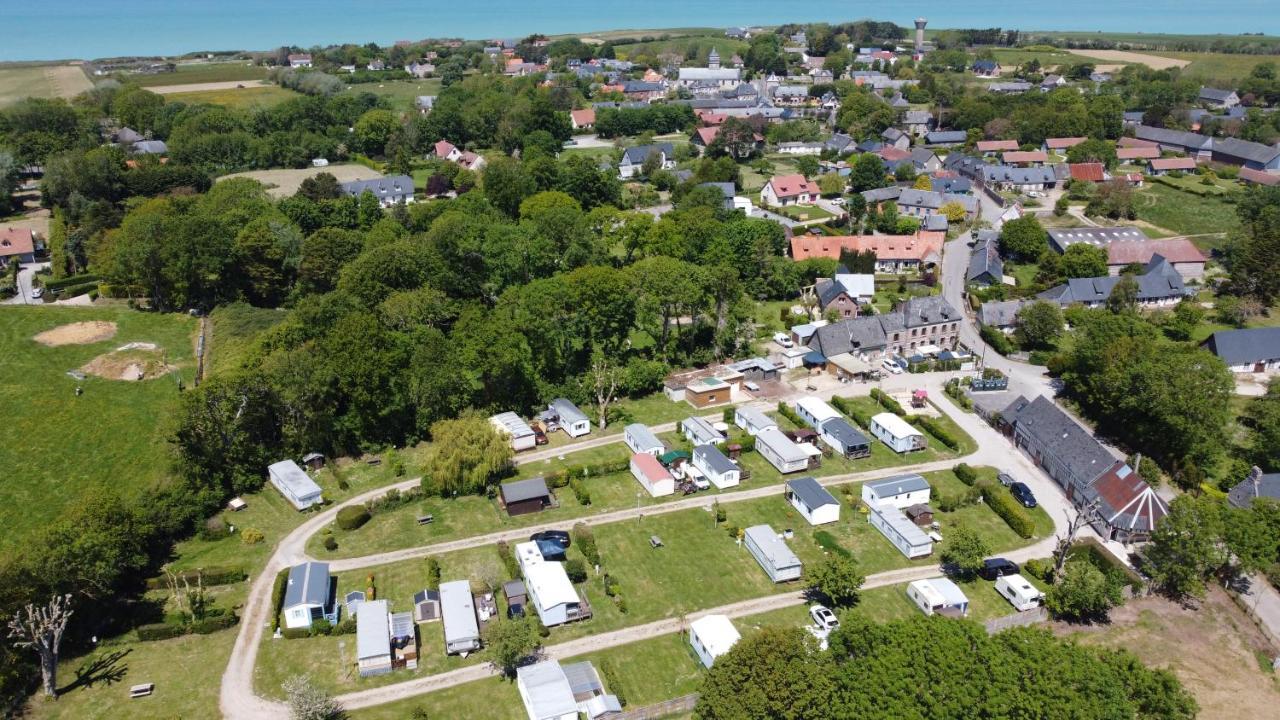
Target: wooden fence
[1020,619]
[662,709]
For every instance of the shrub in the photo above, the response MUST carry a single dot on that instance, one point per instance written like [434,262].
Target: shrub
[580,491]
[965,474]
[166,631]
[208,577]
[393,499]
[277,597]
[612,681]
[252,536]
[733,531]
[727,415]
[586,542]
[215,528]
[433,574]
[785,411]
[951,503]
[295,633]
[352,517]
[395,462]
[346,627]
[207,625]
[160,631]
[887,402]
[997,340]
[935,428]
[330,543]
[1004,505]
[508,559]
[576,570]
[1039,569]
[1040,357]
[66,282]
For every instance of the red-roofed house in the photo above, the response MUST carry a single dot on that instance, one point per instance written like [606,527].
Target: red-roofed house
[1162,166]
[1132,142]
[1128,508]
[889,153]
[1258,177]
[17,245]
[582,119]
[446,150]
[1026,158]
[988,148]
[1183,255]
[1138,153]
[1088,172]
[894,253]
[710,119]
[1061,145]
[783,190]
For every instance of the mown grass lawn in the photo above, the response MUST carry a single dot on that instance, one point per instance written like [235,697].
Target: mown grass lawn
[1184,213]
[1222,67]
[491,699]
[400,93]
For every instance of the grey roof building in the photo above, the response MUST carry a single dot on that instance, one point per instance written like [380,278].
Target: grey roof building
[715,460]
[638,154]
[878,195]
[946,137]
[1246,349]
[1000,314]
[839,143]
[1008,175]
[389,190]
[1256,485]
[811,493]
[1062,238]
[1188,142]
[985,265]
[1066,451]
[149,147]
[1160,284]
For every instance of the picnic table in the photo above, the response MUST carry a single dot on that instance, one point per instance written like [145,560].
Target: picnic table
[655,541]
[142,690]
[426,519]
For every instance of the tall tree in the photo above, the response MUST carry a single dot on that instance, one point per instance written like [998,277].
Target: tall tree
[41,629]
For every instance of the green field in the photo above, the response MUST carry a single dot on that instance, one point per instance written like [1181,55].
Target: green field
[1182,213]
[1140,39]
[62,447]
[246,97]
[234,329]
[701,45]
[400,93]
[18,81]
[1221,67]
[198,73]
[1010,58]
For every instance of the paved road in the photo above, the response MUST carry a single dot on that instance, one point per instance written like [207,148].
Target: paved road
[25,275]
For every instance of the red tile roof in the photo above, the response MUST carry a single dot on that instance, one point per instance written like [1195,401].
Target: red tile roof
[1124,252]
[444,148]
[1091,172]
[785,186]
[1173,163]
[16,241]
[582,118]
[997,145]
[886,247]
[1138,153]
[1130,142]
[708,134]
[1259,177]
[1063,143]
[709,118]
[892,154]
[1026,156]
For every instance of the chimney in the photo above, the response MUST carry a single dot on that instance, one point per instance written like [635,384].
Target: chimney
[920,23]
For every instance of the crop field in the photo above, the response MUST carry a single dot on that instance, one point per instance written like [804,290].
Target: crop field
[245,97]
[1221,67]
[46,81]
[199,73]
[62,447]
[283,183]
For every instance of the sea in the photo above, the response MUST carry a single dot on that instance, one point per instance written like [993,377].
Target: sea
[89,29]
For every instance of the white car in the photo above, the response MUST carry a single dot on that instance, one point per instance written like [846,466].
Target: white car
[37,293]
[783,339]
[837,201]
[823,618]
[1036,194]
[892,366]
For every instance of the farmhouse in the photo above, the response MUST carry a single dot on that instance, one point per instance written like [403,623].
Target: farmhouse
[780,451]
[310,596]
[521,497]
[812,501]
[905,535]
[641,439]
[652,475]
[572,420]
[1021,179]
[392,190]
[17,245]
[716,466]
[294,483]
[845,292]
[901,491]
[552,594]
[1213,97]
[1025,158]
[986,268]
[712,636]
[894,253]
[514,427]
[1250,350]
[458,611]
[778,561]
[1001,315]
[938,596]
[897,433]
[784,190]
[633,159]
[582,119]
[989,148]
[752,420]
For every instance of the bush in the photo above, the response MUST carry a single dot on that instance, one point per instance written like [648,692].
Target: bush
[74,290]
[208,576]
[207,625]
[935,428]
[1040,357]
[580,491]
[71,281]
[352,517]
[951,503]
[965,474]
[612,682]
[850,409]
[160,631]
[393,499]
[997,340]
[508,559]
[295,633]
[251,536]
[433,574]
[785,411]
[1004,505]
[215,528]
[166,631]
[277,597]
[586,542]
[887,402]
[576,571]
[330,543]
[1039,569]
[346,627]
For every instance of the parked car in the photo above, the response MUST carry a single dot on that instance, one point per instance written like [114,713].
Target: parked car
[823,618]
[559,536]
[751,386]
[1023,494]
[701,483]
[1005,479]
[1036,194]
[892,366]
[993,568]
[783,339]
[837,201]
[37,293]
[539,437]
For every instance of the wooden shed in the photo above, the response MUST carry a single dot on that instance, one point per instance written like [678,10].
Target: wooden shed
[522,497]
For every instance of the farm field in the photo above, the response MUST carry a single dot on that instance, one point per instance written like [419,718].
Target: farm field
[66,447]
[1220,67]
[701,45]
[45,81]
[400,93]
[283,183]
[245,97]
[1010,58]
[199,73]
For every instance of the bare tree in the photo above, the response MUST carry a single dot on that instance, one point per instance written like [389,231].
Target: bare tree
[189,601]
[308,702]
[41,629]
[1074,525]
[605,378]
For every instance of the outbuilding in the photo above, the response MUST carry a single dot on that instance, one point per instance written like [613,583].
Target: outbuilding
[712,636]
[785,455]
[641,439]
[905,535]
[426,606]
[649,472]
[752,420]
[778,560]
[521,497]
[293,482]
[572,420]
[458,608]
[1020,593]
[938,596]
[545,691]
[716,466]
[700,432]
[813,501]
[899,491]
[897,433]
[514,427]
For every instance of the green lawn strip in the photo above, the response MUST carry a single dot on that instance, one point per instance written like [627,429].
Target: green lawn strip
[402,94]
[200,73]
[1184,213]
[491,699]
[246,97]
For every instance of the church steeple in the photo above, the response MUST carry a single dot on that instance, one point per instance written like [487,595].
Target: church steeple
[713,60]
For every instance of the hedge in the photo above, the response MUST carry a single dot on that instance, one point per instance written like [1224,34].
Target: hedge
[580,491]
[612,682]
[208,576]
[965,474]
[997,340]
[352,517]
[277,597]
[852,411]
[561,478]
[586,542]
[1004,505]
[785,411]
[166,631]
[74,290]
[887,402]
[70,281]
[508,560]
[935,428]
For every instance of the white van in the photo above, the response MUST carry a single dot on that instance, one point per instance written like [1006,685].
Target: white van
[1021,594]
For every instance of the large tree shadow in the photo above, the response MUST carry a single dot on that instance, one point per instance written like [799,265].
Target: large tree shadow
[105,669]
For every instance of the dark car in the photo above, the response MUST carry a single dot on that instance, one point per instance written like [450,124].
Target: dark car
[993,568]
[539,438]
[1005,479]
[1023,494]
[559,536]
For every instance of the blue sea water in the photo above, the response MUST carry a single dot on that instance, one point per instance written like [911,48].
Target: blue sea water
[56,29]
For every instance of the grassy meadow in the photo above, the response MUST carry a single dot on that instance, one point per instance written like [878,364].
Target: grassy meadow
[199,73]
[246,97]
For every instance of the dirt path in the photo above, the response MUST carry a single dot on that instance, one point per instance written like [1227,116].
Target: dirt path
[202,87]
[1155,62]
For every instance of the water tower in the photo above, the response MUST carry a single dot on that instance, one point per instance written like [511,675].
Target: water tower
[920,23]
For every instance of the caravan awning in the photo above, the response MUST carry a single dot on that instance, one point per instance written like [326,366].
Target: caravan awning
[814,358]
[928,349]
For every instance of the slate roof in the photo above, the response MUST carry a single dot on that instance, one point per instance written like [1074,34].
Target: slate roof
[927,310]
[1159,282]
[1125,500]
[637,155]
[393,186]
[1019,176]
[917,117]
[892,134]
[1215,95]
[1002,313]
[942,137]
[845,433]
[714,459]
[899,485]
[855,335]
[521,490]
[953,185]
[1241,149]
[1055,432]
[811,494]
[1256,485]
[985,260]
[150,147]
[1178,138]
[839,142]
[308,585]
[1246,346]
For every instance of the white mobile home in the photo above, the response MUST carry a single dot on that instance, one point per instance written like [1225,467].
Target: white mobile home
[572,420]
[1020,593]
[649,472]
[718,469]
[700,432]
[938,596]
[778,561]
[373,638]
[899,530]
[458,610]
[294,484]
[780,451]
[641,439]
[514,427]
[711,637]
[752,420]
[840,435]
[901,491]
[814,411]
[550,591]
[813,501]
[897,433]
[310,596]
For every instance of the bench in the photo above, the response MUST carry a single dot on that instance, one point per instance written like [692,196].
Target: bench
[655,541]
[142,690]
[426,519]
